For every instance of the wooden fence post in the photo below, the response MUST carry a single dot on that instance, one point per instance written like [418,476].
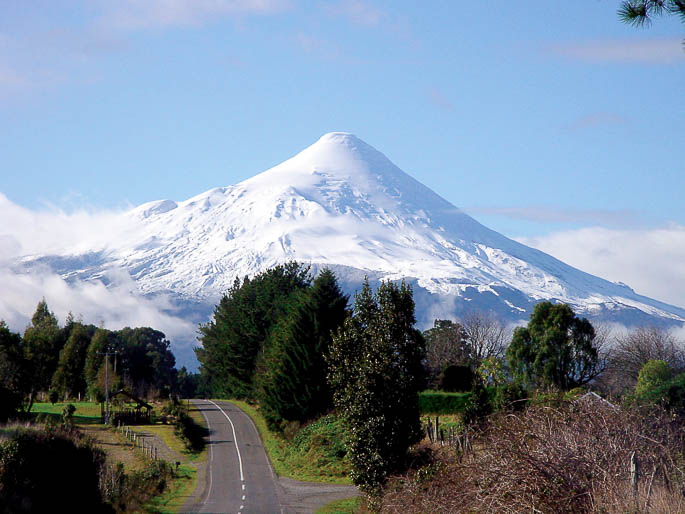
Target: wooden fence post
[634,473]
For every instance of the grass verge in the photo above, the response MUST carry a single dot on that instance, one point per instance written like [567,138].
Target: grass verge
[177,493]
[314,454]
[346,506]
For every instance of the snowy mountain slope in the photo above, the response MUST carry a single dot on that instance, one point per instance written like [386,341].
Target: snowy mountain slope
[342,203]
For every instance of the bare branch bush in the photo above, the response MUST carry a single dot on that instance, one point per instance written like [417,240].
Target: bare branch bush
[571,457]
[633,350]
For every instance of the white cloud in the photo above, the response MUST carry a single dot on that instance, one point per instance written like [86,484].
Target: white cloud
[25,232]
[144,14]
[655,51]
[651,261]
[54,230]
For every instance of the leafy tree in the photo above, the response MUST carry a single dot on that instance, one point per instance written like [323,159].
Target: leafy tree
[294,386]
[491,372]
[187,384]
[239,332]
[144,355]
[555,349]
[69,378]
[375,372]
[102,341]
[654,373]
[446,345]
[41,349]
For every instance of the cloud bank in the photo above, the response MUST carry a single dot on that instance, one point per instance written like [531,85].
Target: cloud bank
[651,261]
[24,232]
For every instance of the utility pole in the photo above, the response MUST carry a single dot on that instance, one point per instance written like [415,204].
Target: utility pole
[107,354]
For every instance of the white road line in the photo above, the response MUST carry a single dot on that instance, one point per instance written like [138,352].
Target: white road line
[235,441]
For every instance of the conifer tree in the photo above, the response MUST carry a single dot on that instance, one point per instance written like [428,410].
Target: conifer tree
[293,384]
[376,372]
[238,335]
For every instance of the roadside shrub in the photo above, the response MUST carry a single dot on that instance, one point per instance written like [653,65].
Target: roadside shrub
[50,471]
[192,434]
[130,491]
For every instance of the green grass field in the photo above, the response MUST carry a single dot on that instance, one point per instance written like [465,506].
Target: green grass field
[87,413]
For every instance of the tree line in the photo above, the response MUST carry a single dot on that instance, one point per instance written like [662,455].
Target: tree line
[70,362]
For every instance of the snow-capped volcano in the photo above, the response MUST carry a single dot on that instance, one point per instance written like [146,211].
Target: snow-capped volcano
[343,204]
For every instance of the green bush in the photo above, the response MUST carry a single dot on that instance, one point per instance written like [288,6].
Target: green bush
[192,434]
[479,404]
[670,395]
[50,471]
[653,373]
[510,396]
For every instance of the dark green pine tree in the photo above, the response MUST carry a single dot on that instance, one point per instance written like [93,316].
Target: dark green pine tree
[294,385]
[376,372]
[236,340]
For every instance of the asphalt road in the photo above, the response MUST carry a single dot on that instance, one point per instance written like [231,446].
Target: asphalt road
[239,476]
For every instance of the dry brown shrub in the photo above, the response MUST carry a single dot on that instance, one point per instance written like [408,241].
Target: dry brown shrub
[564,458]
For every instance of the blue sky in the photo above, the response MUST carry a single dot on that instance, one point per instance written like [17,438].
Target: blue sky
[551,122]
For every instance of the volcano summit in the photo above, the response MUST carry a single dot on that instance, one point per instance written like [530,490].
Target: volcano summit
[343,204]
